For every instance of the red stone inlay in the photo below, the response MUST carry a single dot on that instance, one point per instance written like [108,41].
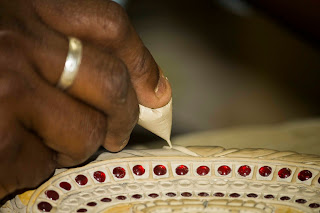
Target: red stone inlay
[81,180]
[106,200]
[284,173]
[91,204]
[265,171]
[304,175]
[218,194]
[203,194]
[224,170]
[65,185]
[153,195]
[301,201]
[244,170]
[234,195]
[160,170]
[44,207]
[182,170]
[171,194]
[253,195]
[82,210]
[137,196]
[203,170]
[186,194]
[52,195]
[269,196]
[99,176]
[121,197]
[119,172]
[138,170]
[314,205]
[285,198]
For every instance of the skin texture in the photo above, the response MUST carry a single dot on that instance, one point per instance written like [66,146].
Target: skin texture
[42,127]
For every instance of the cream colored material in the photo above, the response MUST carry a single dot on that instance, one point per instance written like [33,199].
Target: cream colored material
[191,182]
[157,121]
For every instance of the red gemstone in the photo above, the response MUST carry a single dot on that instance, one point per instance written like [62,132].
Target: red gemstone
[121,197]
[138,170]
[234,195]
[265,171]
[269,196]
[52,195]
[218,194]
[153,195]
[244,170]
[182,170]
[301,201]
[106,200]
[82,210]
[203,170]
[119,172]
[186,194]
[285,198]
[81,180]
[284,173]
[314,205]
[253,195]
[224,170]
[91,204]
[160,170]
[99,176]
[171,194]
[203,194]
[304,175]
[44,207]
[137,196]
[65,185]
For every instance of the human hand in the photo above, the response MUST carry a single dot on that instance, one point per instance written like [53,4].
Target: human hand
[43,127]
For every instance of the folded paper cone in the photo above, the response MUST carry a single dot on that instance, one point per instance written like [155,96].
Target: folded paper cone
[157,121]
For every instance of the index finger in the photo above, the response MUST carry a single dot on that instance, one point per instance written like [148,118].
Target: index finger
[106,24]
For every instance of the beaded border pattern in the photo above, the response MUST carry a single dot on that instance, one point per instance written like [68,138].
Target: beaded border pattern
[292,183]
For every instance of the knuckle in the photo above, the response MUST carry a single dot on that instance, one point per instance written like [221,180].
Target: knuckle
[114,21]
[117,84]
[91,138]
[143,64]
[9,89]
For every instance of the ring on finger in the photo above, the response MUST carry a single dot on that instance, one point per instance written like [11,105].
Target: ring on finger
[72,64]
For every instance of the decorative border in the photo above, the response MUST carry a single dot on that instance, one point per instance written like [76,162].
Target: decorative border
[191,175]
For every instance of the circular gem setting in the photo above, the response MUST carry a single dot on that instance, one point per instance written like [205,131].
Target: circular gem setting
[224,170]
[138,170]
[44,206]
[65,185]
[304,175]
[99,176]
[284,173]
[119,172]
[203,170]
[160,170]
[81,180]
[265,171]
[244,170]
[182,170]
[52,195]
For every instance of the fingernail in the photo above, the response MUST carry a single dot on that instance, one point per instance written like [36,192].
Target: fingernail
[124,143]
[162,86]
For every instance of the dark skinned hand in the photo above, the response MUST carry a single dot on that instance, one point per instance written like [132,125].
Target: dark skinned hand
[42,127]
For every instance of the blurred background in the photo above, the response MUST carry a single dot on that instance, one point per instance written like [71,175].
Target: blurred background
[232,63]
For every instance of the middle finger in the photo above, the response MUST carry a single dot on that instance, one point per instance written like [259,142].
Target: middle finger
[102,82]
